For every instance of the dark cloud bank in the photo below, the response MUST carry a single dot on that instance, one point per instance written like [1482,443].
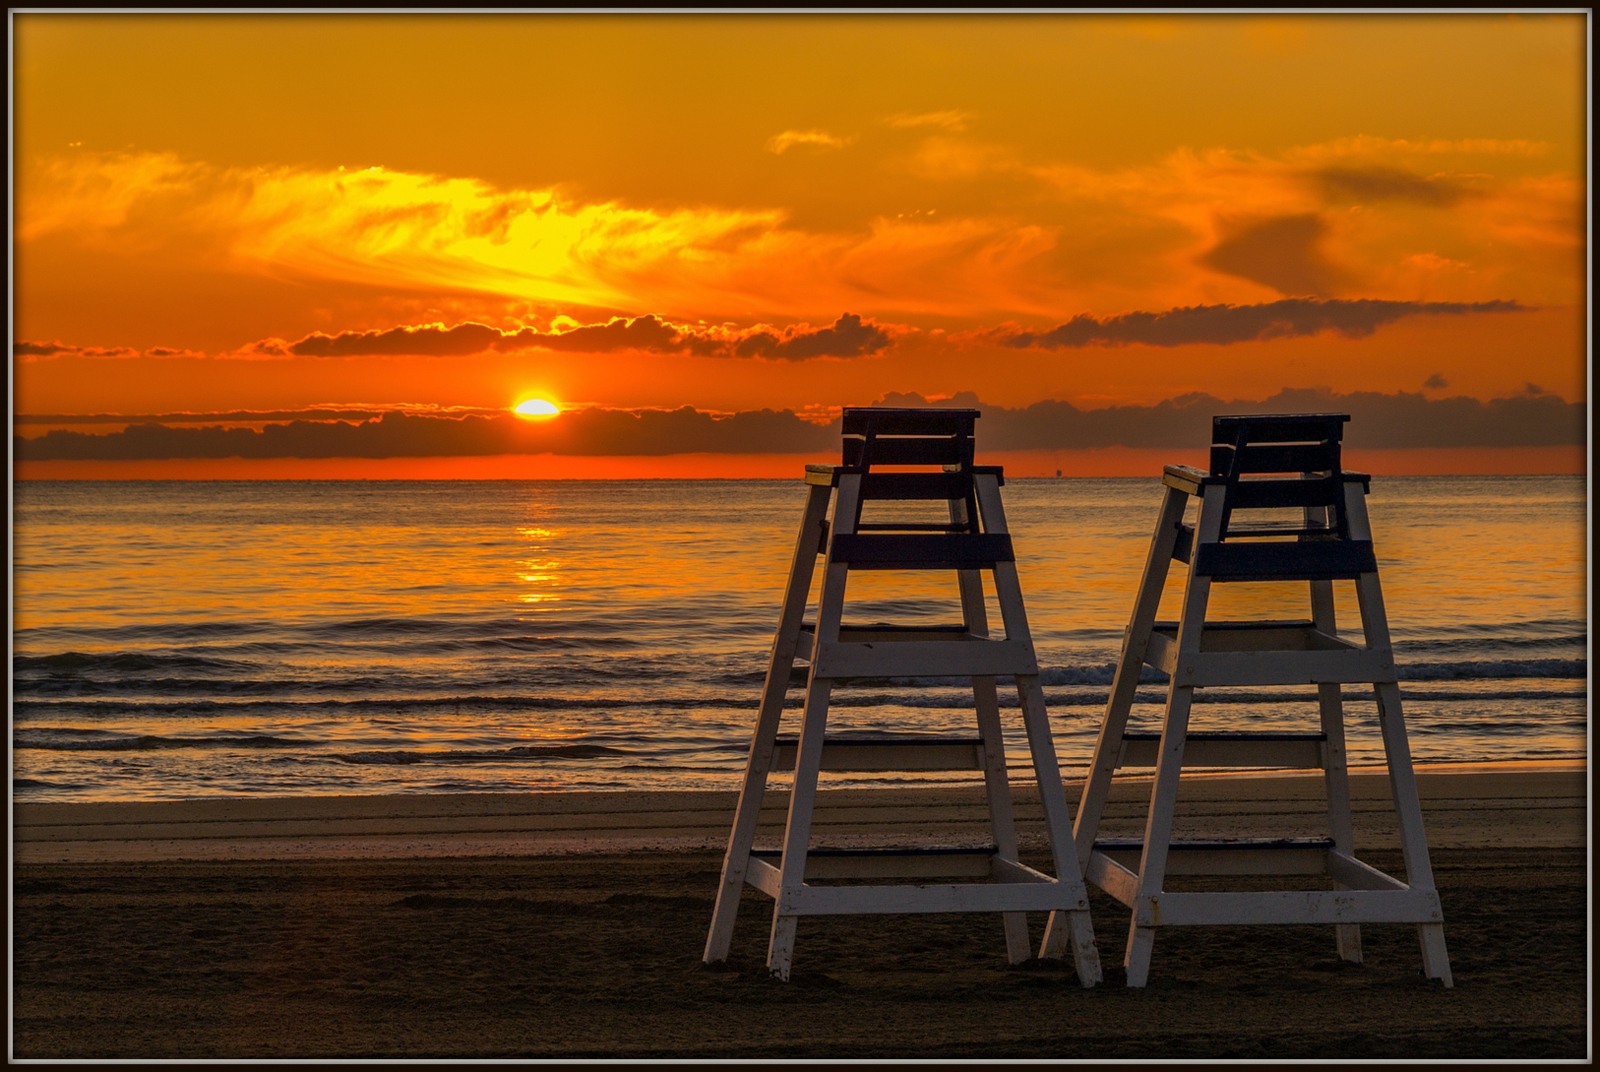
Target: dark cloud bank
[1223,324]
[1379,421]
[848,337]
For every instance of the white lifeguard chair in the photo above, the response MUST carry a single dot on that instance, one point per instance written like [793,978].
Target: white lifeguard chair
[971,541]
[1258,463]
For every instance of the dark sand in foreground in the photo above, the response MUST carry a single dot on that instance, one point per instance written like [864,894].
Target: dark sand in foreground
[595,954]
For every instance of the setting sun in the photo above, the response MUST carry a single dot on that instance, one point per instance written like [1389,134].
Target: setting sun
[536,407]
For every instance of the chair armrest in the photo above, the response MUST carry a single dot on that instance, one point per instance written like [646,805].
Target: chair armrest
[1188,479]
[823,475]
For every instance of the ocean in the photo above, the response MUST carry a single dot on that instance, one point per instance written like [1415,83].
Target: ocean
[178,640]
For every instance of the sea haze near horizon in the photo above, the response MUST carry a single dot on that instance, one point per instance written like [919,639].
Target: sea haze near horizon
[191,639]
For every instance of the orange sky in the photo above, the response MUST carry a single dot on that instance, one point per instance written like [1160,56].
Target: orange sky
[197,194]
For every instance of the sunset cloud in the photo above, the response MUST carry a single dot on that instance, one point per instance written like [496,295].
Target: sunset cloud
[40,349]
[849,336]
[1222,324]
[1380,183]
[1354,217]
[1358,218]
[781,143]
[33,351]
[953,120]
[877,205]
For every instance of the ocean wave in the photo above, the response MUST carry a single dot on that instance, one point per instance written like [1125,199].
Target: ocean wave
[71,740]
[171,687]
[77,662]
[403,758]
[1481,669]
[1408,649]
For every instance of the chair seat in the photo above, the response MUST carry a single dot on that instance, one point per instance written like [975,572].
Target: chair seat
[946,550]
[1299,560]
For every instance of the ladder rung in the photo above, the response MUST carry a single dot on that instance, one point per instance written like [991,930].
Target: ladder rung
[1293,751]
[976,657]
[1267,529]
[1183,546]
[887,631]
[887,753]
[873,634]
[1252,626]
[1235,856]
[1230,735]
[1218,844]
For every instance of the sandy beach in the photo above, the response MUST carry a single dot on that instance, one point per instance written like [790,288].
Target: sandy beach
[572,924]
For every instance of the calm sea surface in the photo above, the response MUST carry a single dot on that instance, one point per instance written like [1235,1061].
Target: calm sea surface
[177,639]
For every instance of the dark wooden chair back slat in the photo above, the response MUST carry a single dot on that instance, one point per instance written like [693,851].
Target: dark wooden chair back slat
[939,440]
[1277,461]
[1269,494]
[909,450]
[1309,560]
[1275,458]
[1281,427]
[911,486]
[917,422]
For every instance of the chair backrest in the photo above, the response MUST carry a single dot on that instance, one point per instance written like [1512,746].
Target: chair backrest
[1282,460]
[939,441]
[882,436]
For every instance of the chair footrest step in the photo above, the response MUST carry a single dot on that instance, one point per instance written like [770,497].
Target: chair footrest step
[1291,751]
[1215,844]
[884,633]
[1118,858]
[1230,735]
[1265,653]
[887,629]
[976,862]
[941,850]
[1258,624]
[886,753]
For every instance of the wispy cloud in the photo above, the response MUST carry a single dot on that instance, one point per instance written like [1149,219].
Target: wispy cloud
[821,139]
[954,120]
[388,228]
[1358,216]
[1355,218]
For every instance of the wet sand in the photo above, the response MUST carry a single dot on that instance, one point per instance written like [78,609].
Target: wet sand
[570,925]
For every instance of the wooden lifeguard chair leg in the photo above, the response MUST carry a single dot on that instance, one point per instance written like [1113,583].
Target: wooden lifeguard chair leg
[1052,795]
[1169,758]
[997,786]
[1335,767]
[813,726]
[1397,749]
[785,642]
[1135,640]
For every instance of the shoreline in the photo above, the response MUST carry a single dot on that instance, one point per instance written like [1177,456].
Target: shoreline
[1484,805]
